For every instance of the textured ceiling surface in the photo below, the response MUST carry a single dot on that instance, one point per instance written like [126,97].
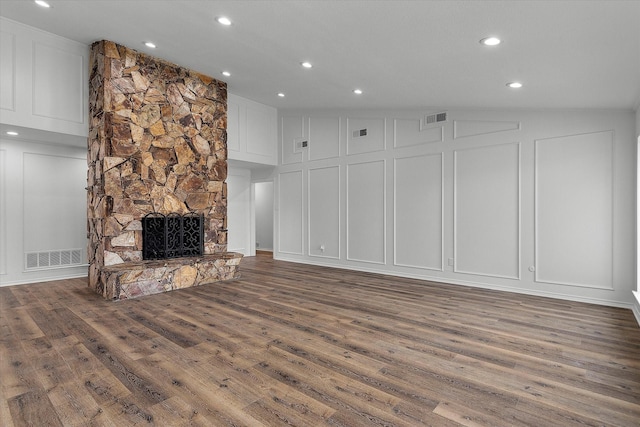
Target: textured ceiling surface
[402,54]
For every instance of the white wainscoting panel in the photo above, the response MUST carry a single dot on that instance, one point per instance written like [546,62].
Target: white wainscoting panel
[55,203]
[233,125]
[264,204]
[291,131]
[324,212]
[418,211]
[3,212]
[574,210]
[260,129]
[7,71]
[374,140]
[465,128]
[366,212]
[324,137]
[409,132]
[487,211]
[239,210]
[290,200]
[57,74]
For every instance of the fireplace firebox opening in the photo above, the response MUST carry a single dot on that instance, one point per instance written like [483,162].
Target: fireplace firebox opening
[172,236]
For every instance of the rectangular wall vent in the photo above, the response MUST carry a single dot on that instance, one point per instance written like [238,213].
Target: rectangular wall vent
[435,118]
[299,144]
[52,259]
[358,133]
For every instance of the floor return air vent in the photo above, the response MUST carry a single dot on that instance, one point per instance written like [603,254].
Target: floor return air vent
[52,259]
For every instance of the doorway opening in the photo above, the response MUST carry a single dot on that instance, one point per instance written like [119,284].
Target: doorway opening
[264,218]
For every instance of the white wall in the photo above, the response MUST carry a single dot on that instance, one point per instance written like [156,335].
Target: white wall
[43,80]
[42,210]
[251,131]
[43,176]
[264,215]
[636,309]
[239,211]
[540,202]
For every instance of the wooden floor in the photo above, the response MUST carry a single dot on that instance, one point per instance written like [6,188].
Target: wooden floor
[289,344]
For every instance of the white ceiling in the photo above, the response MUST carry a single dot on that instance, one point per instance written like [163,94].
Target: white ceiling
[402,54]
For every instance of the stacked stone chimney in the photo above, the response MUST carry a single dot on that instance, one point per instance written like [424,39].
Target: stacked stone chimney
[157,144]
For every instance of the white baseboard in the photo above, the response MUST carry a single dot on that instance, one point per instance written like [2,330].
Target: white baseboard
[636,305]
[43,279]
[609,303]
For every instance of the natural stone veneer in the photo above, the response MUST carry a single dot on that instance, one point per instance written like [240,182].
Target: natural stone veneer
[157,143]
[131,280]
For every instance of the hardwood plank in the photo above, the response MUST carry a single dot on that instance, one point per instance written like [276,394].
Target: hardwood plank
[75,407]
[7,299]
[123,368]
[33,408]
[17,373]
[293,344]
[115,400]
[181,413]
[5,414]
[21,324]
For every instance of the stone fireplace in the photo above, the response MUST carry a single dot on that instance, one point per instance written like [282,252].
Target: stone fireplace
[157,145]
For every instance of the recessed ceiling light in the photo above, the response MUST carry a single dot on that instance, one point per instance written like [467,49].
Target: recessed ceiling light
[357,91]
[514,85]
[306,64]
[43,3]
[223,20]
[281,95]
[490,41]
[226,74]
[12,133]
[150,44]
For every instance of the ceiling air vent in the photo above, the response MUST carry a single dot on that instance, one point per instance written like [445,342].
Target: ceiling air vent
[435,118]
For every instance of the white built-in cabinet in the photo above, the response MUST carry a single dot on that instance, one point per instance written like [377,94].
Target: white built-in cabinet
[43,80]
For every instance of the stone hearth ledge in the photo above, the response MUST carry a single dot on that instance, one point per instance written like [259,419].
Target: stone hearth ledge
[135,279]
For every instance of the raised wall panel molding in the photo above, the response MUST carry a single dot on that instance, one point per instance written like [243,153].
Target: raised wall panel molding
[58,83]
[487,223]
[418,207]
[365,135]
[290,212]
[292,131]
[233,126]
[251,131]
[323,213]
[260,127]
[366,212]
[324,137]
[466,128]
[410,132]
[238,210]
[7,71]
[574,196]
[60,191]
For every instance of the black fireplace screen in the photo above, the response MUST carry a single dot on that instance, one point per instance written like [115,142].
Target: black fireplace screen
[171,236]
